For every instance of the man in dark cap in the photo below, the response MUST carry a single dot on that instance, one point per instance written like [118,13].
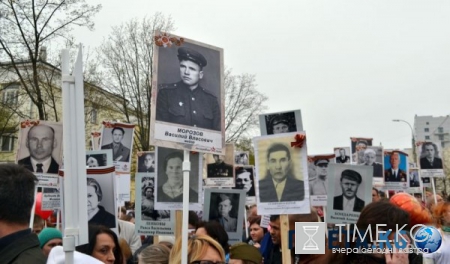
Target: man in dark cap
[245,253]
[279,124]
[186,102]
[348,201]
[319,185]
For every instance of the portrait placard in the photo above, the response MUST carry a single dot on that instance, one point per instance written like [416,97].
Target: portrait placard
[226,207]
[51,199]
[119,138]
[342,155]
[220,168]
[374,156]
[188,98]
[358,145]
[414,181]
[245,180]
[430,159]
[40,150]
[426,181]
[99,158]
[396,170]
[169,180]
[146,162]
[123,183]
[349,190]
[278,162]
[148,220]
[241,158]
[318,179]
[281,122]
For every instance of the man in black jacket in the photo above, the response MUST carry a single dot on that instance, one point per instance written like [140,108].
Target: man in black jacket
[348,201]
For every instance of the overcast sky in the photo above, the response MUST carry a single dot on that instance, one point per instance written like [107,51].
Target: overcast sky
[350,66]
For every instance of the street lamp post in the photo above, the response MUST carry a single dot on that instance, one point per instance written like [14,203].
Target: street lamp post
[413,140]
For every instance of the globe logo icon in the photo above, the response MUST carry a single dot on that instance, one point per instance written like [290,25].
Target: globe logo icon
[428,239]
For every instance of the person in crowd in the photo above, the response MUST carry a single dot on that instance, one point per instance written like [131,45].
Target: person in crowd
[17,243]
[224,208]
[271,244]
[342,158]
[58,256]
[97,213]
[103,245]
[126,251]
[127,232]
[193,220]
[40,143]
[441,216]
[217,232]
[375,195]
[431,202]
[38,224]
[370,159]
[430,158]
[242,253]
[120,152]
[49,238]
[348,201]
[256,231]
[201,248]
[154,254]
[172,189]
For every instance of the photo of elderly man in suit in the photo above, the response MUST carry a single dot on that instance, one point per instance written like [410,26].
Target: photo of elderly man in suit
[348,201]
[120,152]
[280,185]
[430,157]
[395,174]
[40,143]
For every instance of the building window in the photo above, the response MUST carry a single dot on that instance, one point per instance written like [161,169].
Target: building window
[440,129]
[94,116]
[441,137]
[10,93]
[7,143]
[427,137]
[427,129]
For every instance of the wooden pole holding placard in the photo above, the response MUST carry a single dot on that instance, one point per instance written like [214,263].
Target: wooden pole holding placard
[178,223]
[284,229]
[434,190]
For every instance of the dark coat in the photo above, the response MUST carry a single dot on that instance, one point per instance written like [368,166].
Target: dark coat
[163,197]
[177,104]
[143,168]
[377,169]
[401,177]
[122,151]
[338,203]
[103,218]
[341,159]
[219,170]
[24,249]
[294,190]
[425,164]
[26,162]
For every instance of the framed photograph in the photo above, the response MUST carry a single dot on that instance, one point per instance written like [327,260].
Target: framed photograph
[414,181]
[220,168]
[99,158]
[96,137]
[169,180]
[146,162]
[318,181]
[188,98]
[51,199]
[40,150]
[430,159]
[342,155]
[358,145]
[348,192]
[396,170]
[119,138]
[150,221]
[374,156]
[281,122]
[277,161]
[245,180]
[226,207]
[101,193]
[241,158]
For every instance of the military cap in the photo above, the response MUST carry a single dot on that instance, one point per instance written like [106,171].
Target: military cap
[320,161]
[244,251]
[192,55]
[278,119]
[351,175]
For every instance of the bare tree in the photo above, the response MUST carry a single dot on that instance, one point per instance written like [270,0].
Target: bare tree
[127,57]
[28,26]
[243,104]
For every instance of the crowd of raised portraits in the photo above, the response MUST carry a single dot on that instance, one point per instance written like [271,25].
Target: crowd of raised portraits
[208,244]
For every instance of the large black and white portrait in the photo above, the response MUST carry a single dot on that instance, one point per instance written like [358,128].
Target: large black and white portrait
[119,138]
[282,175]
[146,162]
[101,198]
[188,96]
[40,146]
[98,158]
[169,179]
[226,207]
[282,122]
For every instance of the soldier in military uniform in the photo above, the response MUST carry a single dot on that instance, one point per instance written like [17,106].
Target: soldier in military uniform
[219,169]
[186,102]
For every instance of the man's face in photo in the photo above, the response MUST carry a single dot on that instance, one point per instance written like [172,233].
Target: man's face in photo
[117,136]
[243,181]
[369,158]
[395,160]
[375,196]
[342,152]
[190,72]
[429,151]
[275,231]
[321,169]
[218,158]
[278,165]
[41,142]
[148,161]
[280,128]
[225,208]
[349,188]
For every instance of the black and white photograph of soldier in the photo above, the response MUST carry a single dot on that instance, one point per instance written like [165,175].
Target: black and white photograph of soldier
[283,122]
[40,147]
[342,155]
[241,158]
[319,185]
[146,162]
[118,139]
[245,180]
[219,169]
[100,200]
[224,208]
[189,86]
[429,156]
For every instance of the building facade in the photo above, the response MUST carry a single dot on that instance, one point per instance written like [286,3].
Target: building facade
[434,129]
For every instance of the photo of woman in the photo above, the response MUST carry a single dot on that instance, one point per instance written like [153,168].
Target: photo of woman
[97,213]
